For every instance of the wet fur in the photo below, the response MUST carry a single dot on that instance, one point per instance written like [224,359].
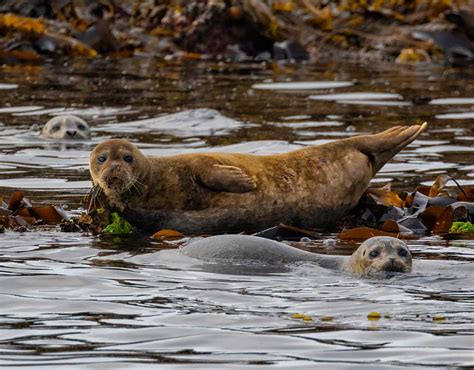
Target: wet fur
[362,264]
[246,248]
[309,187]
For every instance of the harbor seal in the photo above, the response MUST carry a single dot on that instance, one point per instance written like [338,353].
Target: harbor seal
[66,127]
[375,257]
[221,192]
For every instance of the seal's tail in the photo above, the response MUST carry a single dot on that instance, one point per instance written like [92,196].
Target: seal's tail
[382,147]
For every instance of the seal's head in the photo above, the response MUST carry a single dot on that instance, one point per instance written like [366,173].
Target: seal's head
[66,127]
[379,255]
[117,167]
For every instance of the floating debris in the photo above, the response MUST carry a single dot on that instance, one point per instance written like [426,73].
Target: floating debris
[462,227]
[374,316]
[118,226]
[300,316]
[168,234]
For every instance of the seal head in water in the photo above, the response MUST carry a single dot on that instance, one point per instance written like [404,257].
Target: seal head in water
[66,127]
[378,254]
[375,257]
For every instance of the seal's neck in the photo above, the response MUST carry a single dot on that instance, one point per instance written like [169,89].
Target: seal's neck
[146,173]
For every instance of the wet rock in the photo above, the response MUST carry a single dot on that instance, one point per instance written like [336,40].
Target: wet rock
[289,50]
[240,30]
[236,54]
[100,37]
[464,19]
[263,56]
[17,52]
[45,45]
[28,8]
[458,49]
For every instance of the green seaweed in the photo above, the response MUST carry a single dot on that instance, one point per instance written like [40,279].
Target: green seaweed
[119,225]
[462,227]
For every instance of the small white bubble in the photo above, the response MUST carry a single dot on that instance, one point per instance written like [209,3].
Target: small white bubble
[329,243]
[351,128]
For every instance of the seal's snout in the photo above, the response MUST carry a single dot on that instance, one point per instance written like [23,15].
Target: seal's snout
[112,180]
[394,266]
[116,177]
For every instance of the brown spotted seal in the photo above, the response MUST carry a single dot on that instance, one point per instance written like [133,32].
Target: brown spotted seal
[375,257]
[66,127]
[220,192]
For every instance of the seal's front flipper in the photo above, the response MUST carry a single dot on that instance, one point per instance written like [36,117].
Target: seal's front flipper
[230,179]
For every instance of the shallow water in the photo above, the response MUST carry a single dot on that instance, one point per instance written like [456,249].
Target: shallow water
[74,301]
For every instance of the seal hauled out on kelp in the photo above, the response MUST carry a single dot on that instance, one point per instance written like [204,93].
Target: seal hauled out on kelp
[374,258]
[224,192]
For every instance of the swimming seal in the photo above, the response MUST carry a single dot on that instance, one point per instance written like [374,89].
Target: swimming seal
[220,192]
[66,127]
[376,256]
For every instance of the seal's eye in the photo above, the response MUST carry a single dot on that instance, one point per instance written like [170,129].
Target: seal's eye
[374,253]
[81,127]
[128,158]
[403,252]
[55,128]
[102,159]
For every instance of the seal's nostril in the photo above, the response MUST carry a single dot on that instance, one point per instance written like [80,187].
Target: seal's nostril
[71,133]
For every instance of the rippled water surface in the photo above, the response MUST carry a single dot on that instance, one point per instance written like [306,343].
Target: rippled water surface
[75,301]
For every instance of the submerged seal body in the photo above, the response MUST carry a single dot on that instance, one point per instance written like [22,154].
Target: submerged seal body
[220,192]
[66,127]
[375,256]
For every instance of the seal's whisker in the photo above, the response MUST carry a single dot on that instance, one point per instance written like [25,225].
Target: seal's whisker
[137,180]
[134,184]
[137,189]
[138,186]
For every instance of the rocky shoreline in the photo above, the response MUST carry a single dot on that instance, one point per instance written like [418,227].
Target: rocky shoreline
[406,32]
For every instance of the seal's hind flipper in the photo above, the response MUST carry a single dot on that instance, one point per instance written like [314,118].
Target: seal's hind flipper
[382,147]
[230,179]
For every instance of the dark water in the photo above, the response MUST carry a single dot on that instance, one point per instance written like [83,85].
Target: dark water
[75,301]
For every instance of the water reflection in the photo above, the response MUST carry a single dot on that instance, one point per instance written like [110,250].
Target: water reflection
[185,124]
[302,85]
